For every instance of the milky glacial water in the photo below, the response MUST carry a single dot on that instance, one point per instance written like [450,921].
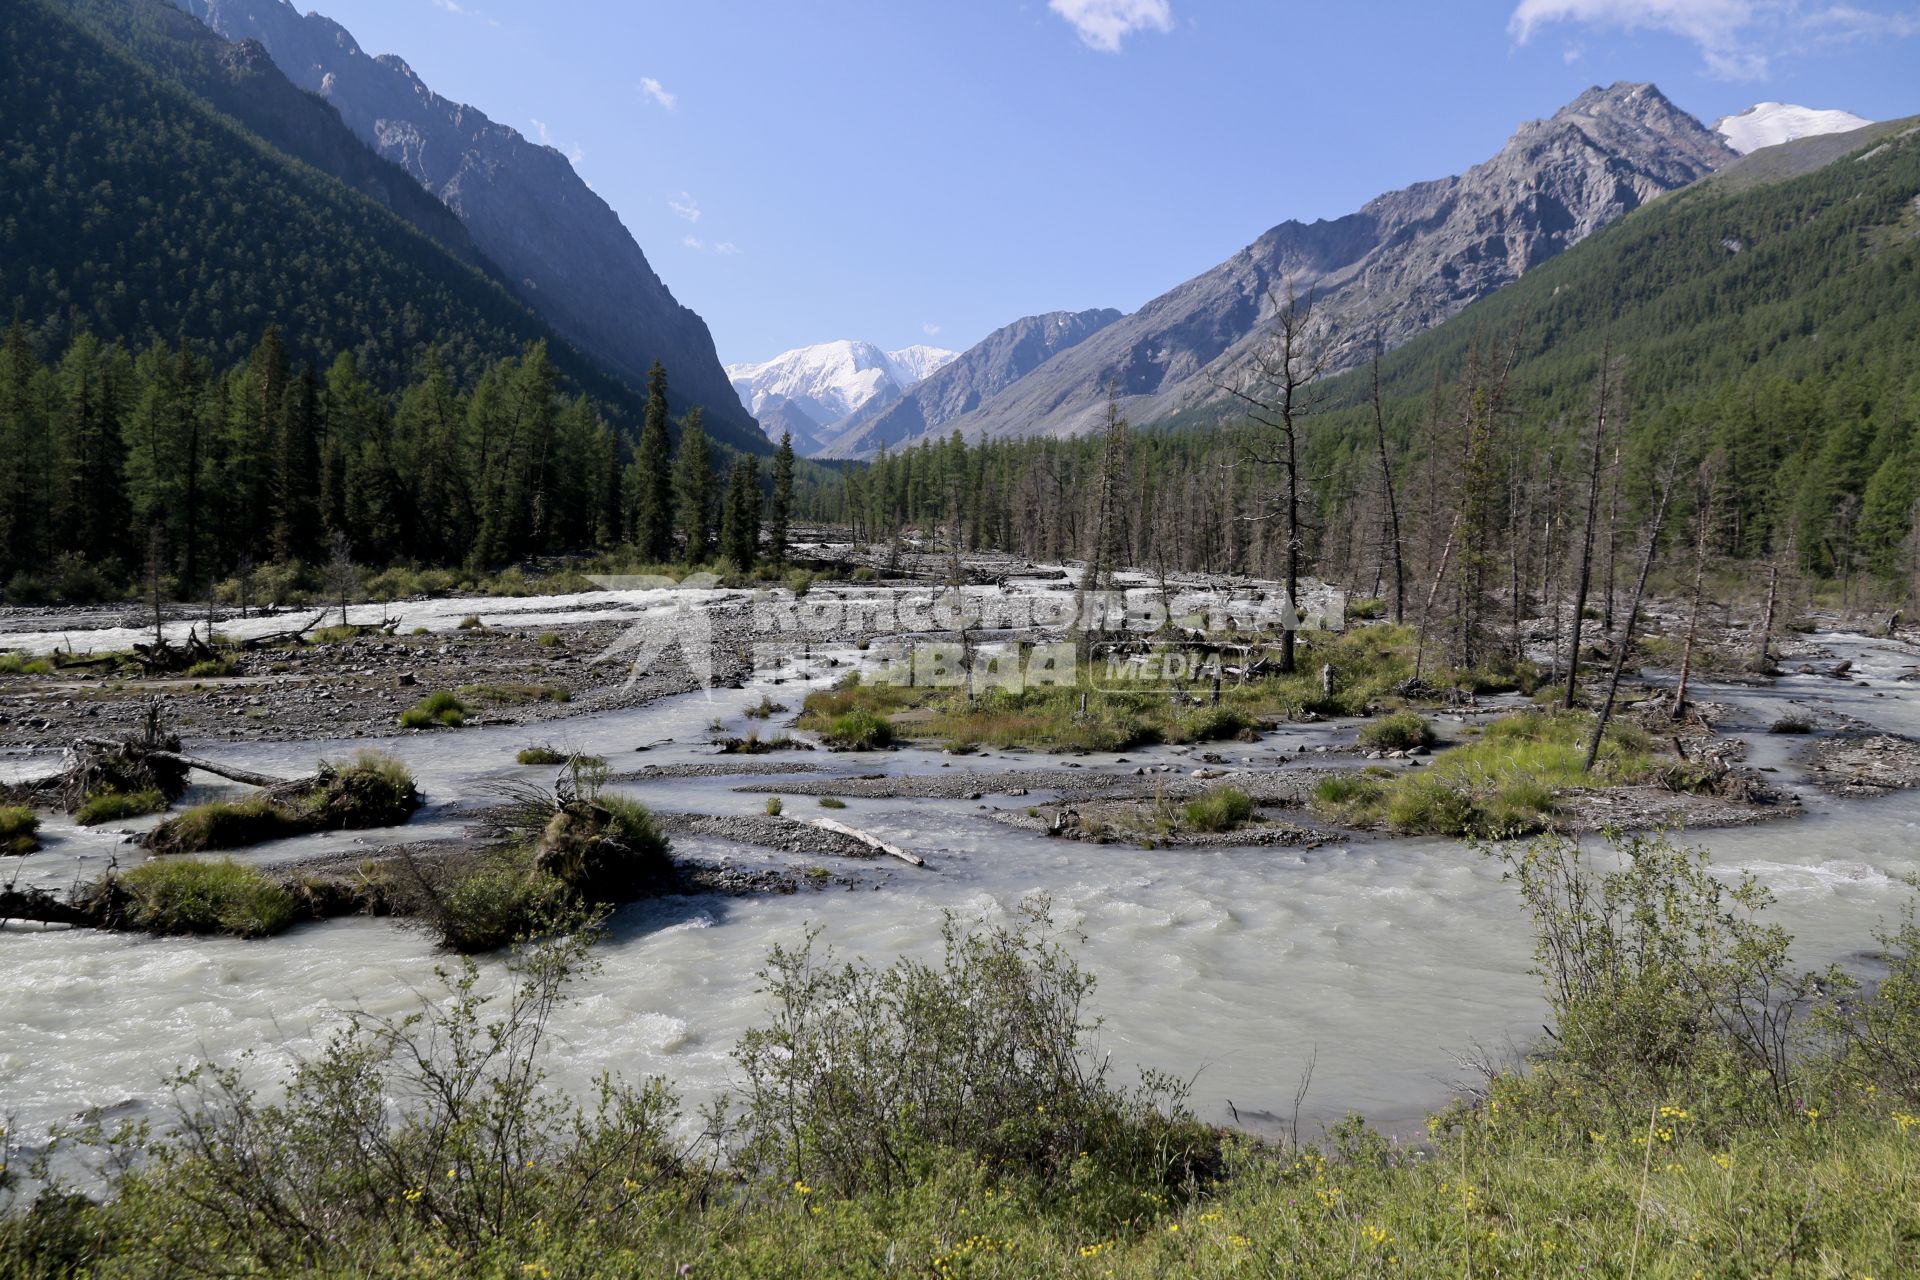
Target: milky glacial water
[1382,962]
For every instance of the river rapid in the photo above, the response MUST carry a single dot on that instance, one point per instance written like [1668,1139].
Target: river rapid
[1381,963]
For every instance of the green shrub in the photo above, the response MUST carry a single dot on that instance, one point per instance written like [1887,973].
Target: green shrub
[774,806]
[110,805]
[18,830]
[471,623]
[191,895]
[19,664]
[547,755]
[1796,723]
[1348,797]
[550,640]
[434,711]
[212,669]
[335,635]
[858,730]
[1400,731]
[496,903]
[832,802]
[851,1088]
[1220,809]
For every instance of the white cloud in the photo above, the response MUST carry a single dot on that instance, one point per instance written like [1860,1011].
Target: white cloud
[692,242]
[1103,24]
[1737,38]
[543,133]
[658,92]
[931,329]
[685,206]
[727,249]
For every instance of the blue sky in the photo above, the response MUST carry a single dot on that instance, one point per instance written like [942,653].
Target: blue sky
[926,170]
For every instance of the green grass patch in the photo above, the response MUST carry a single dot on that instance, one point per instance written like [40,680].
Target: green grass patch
[1220,809]
[435,711]
[111,805]
[212,669]
[1398,732]
[19,830]
[19,664]
[832,802]
[192,895]
[1505,782]
[335,634]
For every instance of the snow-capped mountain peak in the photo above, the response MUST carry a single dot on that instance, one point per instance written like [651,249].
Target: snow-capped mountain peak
[1768,124]
[830,380]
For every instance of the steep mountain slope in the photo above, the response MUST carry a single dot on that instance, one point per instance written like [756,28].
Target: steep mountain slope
[242,81]
[829,380]
[1786,160]
[1402,264]
[1768,124]
[150,216]
[999,360]
[563,250]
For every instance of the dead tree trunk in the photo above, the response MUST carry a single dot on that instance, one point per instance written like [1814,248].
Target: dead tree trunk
[1583,576]
[1625,642]
[1386,483]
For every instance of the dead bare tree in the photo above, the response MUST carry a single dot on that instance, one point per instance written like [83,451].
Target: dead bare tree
[1386,484]
[1650,547]
[1277,397]
[1583,576]
[1706,520]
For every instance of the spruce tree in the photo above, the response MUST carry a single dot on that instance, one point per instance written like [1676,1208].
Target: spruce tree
[780,515]
[693,489]
[740,522]
[653,488]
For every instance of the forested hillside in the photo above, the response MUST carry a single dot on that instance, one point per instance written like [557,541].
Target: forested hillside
[135,212]
[1770,332]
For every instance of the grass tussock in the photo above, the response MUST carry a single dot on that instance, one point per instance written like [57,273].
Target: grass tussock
[547,755]
[439,710]
[110,805]
[1401,731]
[191,895]
[1219,809]
[371,790]
[19,830]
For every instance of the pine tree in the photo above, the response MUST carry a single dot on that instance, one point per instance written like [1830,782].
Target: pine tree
[780,515]
[693,489]
[653,487]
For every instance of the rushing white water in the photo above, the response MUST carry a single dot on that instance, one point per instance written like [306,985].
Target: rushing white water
[1381,961]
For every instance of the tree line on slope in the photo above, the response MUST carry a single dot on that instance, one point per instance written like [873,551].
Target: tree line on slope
[154,465]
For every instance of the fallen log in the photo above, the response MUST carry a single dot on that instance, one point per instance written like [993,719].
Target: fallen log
[232,773]
[871,841]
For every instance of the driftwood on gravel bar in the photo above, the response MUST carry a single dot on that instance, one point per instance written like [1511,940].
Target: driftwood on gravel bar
[871,841]
[233,773]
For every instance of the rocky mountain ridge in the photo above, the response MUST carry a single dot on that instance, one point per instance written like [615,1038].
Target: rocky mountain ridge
[557,244]
[1403,263]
